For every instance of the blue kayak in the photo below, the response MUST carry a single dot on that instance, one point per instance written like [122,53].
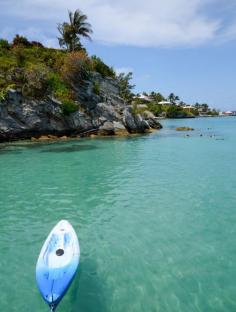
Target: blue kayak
[57,263]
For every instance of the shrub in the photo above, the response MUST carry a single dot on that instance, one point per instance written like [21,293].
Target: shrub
[174,111]
[6,63]
[156,109]
[18,52]
[96,87]
[69,107]
[35,81]
[4,91]
[4,44]
[48,56]
[76,68]
[137,110]
[58,87]
[61,91]
[15,75]
[36,44]
[20,40]
[100,67]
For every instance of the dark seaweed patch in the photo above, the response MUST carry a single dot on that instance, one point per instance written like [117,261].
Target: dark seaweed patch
[69,149]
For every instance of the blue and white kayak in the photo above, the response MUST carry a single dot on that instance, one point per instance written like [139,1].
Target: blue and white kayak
[57,263]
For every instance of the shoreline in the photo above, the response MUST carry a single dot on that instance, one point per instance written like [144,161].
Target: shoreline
[55,139]
[91,134]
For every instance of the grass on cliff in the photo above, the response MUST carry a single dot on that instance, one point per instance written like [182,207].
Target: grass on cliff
[38,71]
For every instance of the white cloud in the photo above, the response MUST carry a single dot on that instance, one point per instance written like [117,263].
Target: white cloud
[134,22]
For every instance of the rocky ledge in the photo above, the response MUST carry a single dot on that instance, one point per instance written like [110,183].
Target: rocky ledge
[103,114]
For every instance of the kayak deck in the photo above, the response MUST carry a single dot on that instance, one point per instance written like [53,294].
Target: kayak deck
[57,262]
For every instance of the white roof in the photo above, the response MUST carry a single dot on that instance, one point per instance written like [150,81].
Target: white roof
[144,97]
[188,106]
[165,103]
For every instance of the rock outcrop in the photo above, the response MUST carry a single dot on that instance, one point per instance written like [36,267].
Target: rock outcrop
[103,112]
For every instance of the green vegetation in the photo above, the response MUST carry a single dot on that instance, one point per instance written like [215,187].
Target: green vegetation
[4,44]
[125,86]
[69,106]
[156,97]
[172,107]
[174,111]
[100,67]
[173,98]
[137,110]
[3,91]
[58,88]
[157,110]
[38,71]
[96,87]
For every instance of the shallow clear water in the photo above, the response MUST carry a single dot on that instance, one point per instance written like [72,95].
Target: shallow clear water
[155,216]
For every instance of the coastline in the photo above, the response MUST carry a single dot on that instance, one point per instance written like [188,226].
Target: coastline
[93,134]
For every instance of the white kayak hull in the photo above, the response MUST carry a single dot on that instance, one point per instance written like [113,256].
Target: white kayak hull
[57,263]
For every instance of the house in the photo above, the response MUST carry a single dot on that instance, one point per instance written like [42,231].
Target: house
[143,97]
[188,107]
[167,103]
[228,113]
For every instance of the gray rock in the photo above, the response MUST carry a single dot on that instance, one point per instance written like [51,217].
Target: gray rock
[107,128]
[134,123]
[105,113]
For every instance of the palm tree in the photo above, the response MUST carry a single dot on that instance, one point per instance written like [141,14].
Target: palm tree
[173,98]
[72,32]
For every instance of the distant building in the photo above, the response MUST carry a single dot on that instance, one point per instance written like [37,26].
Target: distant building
[143,97]
[188,107]
[166,103]
[228,113]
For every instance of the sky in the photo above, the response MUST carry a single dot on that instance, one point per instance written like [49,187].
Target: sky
[183,46]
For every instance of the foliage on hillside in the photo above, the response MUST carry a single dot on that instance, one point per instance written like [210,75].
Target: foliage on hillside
[38,71]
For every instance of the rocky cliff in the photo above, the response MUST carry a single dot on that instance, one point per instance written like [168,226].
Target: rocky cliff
[103,112]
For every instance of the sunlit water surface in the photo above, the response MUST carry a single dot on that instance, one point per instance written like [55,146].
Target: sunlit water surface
[155,216]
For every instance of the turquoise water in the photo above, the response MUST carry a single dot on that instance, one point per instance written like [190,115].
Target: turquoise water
[155,216]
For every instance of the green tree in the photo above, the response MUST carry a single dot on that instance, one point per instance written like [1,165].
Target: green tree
[175,112]
[125,86]
[157,97]
[72,31]
[173,98]
[155,108]
[205,107]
